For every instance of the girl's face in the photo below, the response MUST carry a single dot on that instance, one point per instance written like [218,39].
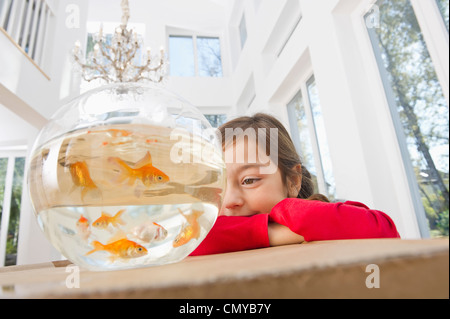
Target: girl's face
[248,191]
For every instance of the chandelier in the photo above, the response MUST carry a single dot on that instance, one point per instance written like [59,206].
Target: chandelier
[120,58]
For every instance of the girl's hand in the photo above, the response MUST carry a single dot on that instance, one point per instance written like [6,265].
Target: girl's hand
[281,235]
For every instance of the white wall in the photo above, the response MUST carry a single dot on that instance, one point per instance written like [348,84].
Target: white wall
[14,131]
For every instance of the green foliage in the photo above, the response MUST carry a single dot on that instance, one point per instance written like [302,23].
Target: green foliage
[420,103]
[3,166]
[14,217]
[442,223]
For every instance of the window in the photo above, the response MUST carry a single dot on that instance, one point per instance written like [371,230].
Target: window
[209,57]
[11,181]
[443,7]
[301,135]
[322,141]
[309,136]
[216,120]
[419,111]
[195,56]
[181,56]
[243,31]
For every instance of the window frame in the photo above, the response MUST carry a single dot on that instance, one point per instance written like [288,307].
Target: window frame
[11,155]
[432,26]
[194,36]
[317,156]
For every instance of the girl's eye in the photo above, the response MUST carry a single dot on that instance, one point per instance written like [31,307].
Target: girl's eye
[250,181]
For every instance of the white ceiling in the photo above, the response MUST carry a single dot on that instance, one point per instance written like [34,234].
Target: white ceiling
[142,11]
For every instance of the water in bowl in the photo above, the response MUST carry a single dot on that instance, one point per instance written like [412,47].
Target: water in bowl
[126,195]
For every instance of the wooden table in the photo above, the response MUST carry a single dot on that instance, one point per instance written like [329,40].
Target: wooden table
[378,268]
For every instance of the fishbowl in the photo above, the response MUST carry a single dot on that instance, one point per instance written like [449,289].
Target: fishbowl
[125,176]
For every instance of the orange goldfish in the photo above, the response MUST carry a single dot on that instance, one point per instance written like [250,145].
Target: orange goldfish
[81,177]
[113,132]
[83,228]
[143,170]
[114,144]
[190,230]
[122,248]
[105,220]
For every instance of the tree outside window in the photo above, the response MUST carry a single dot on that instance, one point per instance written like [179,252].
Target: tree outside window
[418,104]
[13,214]
[443,7]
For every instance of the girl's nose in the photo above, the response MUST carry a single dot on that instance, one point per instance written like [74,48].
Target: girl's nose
[232,202]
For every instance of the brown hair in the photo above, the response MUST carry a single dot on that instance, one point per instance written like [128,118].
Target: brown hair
[288,157]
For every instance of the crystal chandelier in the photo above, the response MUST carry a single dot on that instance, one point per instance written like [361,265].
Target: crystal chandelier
[116,59]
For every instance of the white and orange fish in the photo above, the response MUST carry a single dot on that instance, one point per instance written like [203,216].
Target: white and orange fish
[83,228]
[143,170]
[190,230]
[105,220]
[81,177]
[149,232]
[122,249]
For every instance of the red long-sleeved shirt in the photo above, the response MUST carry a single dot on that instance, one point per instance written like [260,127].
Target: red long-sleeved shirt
[314,220]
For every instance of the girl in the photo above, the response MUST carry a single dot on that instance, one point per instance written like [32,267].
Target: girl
[263,207]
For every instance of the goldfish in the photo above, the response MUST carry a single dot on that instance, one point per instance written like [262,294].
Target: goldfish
[114,144]
[83,228]
[114,132]
[143,170]
[81,177]
[122,248]
[190,230]
[149,232]
[105,220]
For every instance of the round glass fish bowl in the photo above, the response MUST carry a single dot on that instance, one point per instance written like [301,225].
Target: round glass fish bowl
[126,176]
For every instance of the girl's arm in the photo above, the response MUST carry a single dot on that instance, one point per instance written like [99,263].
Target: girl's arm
[281,235]
[293,221]
[235,233]
[315,220]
